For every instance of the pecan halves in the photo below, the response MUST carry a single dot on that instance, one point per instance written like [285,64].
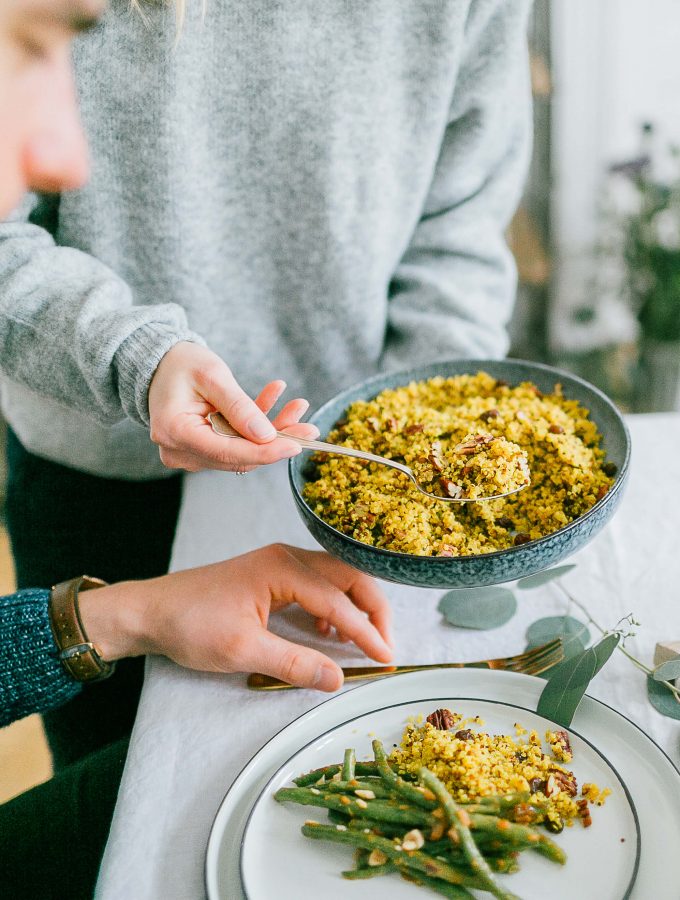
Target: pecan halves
[564,781]
[473,444]
[451,489]
[435,462]
[489,414]
[442,719]
[584,813]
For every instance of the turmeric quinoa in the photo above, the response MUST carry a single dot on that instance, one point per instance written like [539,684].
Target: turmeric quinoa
[426,420]
[473,764]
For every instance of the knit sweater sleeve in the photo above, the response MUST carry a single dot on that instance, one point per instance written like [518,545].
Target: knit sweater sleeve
[69,327]
[31,677]
[454,290]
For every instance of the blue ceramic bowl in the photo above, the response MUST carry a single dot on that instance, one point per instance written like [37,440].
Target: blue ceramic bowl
[488,568]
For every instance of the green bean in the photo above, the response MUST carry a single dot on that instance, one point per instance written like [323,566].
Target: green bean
[446,848]
[516,836]
[380,810]
[547,847]
[452,891]
[348,765]
[408,791]
[327,772]
[338,818]
[504,802]
[384,829]
[510,833]
[351,787]
[369,871]
[458,819]
[414,859]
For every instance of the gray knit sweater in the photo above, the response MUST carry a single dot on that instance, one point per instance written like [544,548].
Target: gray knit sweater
[318,190]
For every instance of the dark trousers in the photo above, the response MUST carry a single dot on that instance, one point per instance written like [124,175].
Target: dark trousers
[52,837]
[63,523]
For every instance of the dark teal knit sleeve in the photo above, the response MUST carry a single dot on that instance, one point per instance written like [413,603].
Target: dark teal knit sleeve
[31,677]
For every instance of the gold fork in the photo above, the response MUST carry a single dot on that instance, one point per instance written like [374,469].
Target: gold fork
[531,662]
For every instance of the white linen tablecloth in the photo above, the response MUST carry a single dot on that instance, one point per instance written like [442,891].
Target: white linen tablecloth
[194,732]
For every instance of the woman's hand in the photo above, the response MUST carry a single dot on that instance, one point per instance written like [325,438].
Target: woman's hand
[192,381]
[215,618]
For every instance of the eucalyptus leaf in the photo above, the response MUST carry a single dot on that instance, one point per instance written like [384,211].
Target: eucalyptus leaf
[569,681]
[667,671]
[478,608]
[575,635]
[604,649]
[541,578]
[662,699]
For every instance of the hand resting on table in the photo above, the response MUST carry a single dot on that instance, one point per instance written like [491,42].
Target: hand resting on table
[215,618]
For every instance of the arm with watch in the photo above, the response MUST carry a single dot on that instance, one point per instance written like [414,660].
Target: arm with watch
[213,618]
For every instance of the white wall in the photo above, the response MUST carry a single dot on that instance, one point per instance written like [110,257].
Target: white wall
[616,64]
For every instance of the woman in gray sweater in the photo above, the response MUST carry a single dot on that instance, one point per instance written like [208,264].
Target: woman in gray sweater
[213,618]
[315,190]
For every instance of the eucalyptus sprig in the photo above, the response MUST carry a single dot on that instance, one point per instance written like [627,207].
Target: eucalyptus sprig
[484,608]
[660,674]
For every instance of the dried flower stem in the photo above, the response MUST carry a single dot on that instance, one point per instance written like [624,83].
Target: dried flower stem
[636,662]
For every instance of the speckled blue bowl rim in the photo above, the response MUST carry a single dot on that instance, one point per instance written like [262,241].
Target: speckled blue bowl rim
[476,365]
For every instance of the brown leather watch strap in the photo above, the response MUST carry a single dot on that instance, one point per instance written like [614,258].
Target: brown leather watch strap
[77,653]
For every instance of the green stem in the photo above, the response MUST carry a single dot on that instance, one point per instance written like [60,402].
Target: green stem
[636,662]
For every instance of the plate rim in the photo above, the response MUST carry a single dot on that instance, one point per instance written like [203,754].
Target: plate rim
[213,844]
[629,798]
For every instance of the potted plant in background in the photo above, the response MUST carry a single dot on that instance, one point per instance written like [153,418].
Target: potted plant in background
[647,222]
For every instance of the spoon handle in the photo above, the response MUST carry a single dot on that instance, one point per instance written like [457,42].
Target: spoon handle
[222,427]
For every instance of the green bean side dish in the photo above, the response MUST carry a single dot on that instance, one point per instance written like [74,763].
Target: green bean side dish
[417,829]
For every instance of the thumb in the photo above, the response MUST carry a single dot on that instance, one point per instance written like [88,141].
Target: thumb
[295,664]
[222,391]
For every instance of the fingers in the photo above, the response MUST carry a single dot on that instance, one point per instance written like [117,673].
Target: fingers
[289,420]
[293,663]
[322,627]
[269,395]
[367,596]
[303,430]
[290,414]
[305,585]
[363,590]
[222,391]
[209,450]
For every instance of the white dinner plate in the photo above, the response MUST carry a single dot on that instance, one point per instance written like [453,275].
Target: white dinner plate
[602,860]
[650,777]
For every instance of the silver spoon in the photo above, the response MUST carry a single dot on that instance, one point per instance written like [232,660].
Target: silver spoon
[222,427]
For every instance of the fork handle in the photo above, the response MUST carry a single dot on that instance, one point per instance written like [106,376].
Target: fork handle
[222,427]
[259,682]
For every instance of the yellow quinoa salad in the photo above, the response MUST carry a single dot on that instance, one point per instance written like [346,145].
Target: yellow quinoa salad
[473,764]
[424,425]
